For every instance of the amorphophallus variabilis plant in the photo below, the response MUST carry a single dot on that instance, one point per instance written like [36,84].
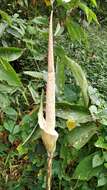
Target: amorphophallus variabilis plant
[48,132]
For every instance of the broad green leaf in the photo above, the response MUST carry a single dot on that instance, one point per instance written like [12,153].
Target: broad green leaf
[9,126]
[8,74]
[6,17]
[79,77]
[40,20]
[94,96]
[10,53]
[84,170]
[16,129]
[76,32]
[11,138]
[37,55]
[78,115]
[2,28]
[10,112]
[59,30]
[34,94]
[102,180]
[14,33]
[102,115]
[101,143]
[38,75]
[79,136]
[6,89]
[71,93]
[60,76]
[97,160]
[91,16]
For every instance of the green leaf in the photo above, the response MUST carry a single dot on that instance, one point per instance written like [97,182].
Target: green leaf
[14,32]
[91,16]
[9,126]
[10,112]
[79,77]
[16,129]
[35,95]
[4,101]
[102,180]
[38,75]
[6,17]
[84,170]
[2,28]
[11,138]
[71,93]
[94,2]
[100,143]
[10,53]
[105,165]
[76,32]
[22,150]
[77,72]
[97,160]
[26,2]
[79,136]
[102,115]
[8,74]
[59,30]
[105,156]
[94,96]
[40,20]
[77,115]
[6,89]
[60,76]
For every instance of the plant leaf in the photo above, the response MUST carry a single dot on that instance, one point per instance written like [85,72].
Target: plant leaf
[38,75]
[10,53]
[84,170]
[60,76]
[80,78]
[6,17]
[97,160]
[94,2]
[78,115]
[91,16]
[79,136]
[100,143]
[76,32]
[8,74]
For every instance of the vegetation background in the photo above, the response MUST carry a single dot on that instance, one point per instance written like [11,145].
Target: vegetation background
[80,50]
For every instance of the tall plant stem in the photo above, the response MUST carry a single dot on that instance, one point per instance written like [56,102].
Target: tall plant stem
[49,172]
[50,98]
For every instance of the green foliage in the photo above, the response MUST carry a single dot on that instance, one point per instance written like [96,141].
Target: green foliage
[85,171]
[8,74]
[10,53]
[79,136]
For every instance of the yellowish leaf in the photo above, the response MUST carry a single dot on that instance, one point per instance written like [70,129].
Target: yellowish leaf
[26,157]
[47,2]
[71,124]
